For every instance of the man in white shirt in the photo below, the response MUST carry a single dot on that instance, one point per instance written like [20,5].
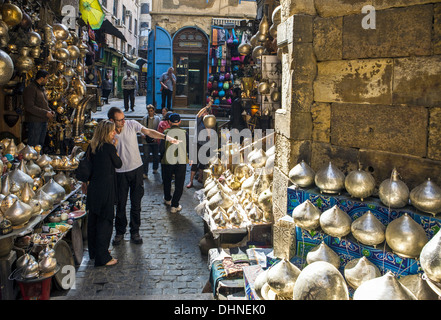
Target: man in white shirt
[150,145]
[129,176]
[129,85]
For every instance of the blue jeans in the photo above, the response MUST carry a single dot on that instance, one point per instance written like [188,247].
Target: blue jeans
[36,133]
[154,149]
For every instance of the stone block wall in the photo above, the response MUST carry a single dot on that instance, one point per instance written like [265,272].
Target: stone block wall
[173,15]
[356,96]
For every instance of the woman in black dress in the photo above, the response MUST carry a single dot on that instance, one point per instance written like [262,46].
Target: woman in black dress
[101,192]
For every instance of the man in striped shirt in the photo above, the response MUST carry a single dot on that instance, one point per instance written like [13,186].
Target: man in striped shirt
[129,85]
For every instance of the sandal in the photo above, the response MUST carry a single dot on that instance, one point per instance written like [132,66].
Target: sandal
[190,185]
[112,262]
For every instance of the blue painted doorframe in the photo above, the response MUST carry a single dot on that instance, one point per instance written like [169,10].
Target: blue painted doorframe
[159,59]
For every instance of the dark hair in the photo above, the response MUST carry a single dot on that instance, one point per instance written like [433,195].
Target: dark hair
[112,111]
[41,74]
[167,115]
[237,91]
[174,118]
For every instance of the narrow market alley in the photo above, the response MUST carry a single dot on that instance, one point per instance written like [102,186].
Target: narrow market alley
[168,265]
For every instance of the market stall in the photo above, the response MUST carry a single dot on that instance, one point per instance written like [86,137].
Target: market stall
[34,39]
[42,209]
[341,238]
[246,57]
[42,214]
[236,205]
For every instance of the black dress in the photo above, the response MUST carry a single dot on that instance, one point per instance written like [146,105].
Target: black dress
[236,119]
[100,202]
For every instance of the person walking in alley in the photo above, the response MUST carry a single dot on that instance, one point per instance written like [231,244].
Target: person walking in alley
[167,81]
[174,162]
[236,119]
[198,167]
[130,175]
[129,86]
[150,145]
[106,89]
[101,192]
[164,123]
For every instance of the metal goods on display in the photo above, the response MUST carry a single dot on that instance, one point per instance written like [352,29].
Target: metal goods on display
[34,187]
[27,45]
[359,278]
[237,196]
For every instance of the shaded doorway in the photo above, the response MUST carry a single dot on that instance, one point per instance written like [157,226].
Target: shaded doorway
[190,51]
[190,80]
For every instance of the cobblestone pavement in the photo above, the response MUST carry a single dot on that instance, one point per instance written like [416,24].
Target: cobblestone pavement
[168,265]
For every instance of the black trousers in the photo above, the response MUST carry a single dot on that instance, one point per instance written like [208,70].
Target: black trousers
[129,95]
[129,183]
[154,149]
[167,173]
[105,95]
[197,165]
[99,233]
[36,133]
[166,99]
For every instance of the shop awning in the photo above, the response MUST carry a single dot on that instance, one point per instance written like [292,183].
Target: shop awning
[140,62]
[109,28]
[127,63]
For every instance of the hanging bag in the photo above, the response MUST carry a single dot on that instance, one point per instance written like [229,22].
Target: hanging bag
[230,40]
[235,40]
[84,170]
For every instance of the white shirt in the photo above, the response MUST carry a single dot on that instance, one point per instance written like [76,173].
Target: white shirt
[127,146]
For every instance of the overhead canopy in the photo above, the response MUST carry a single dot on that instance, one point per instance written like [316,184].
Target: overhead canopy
[92,13]
[109,28]
[140,62]
[131,65]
